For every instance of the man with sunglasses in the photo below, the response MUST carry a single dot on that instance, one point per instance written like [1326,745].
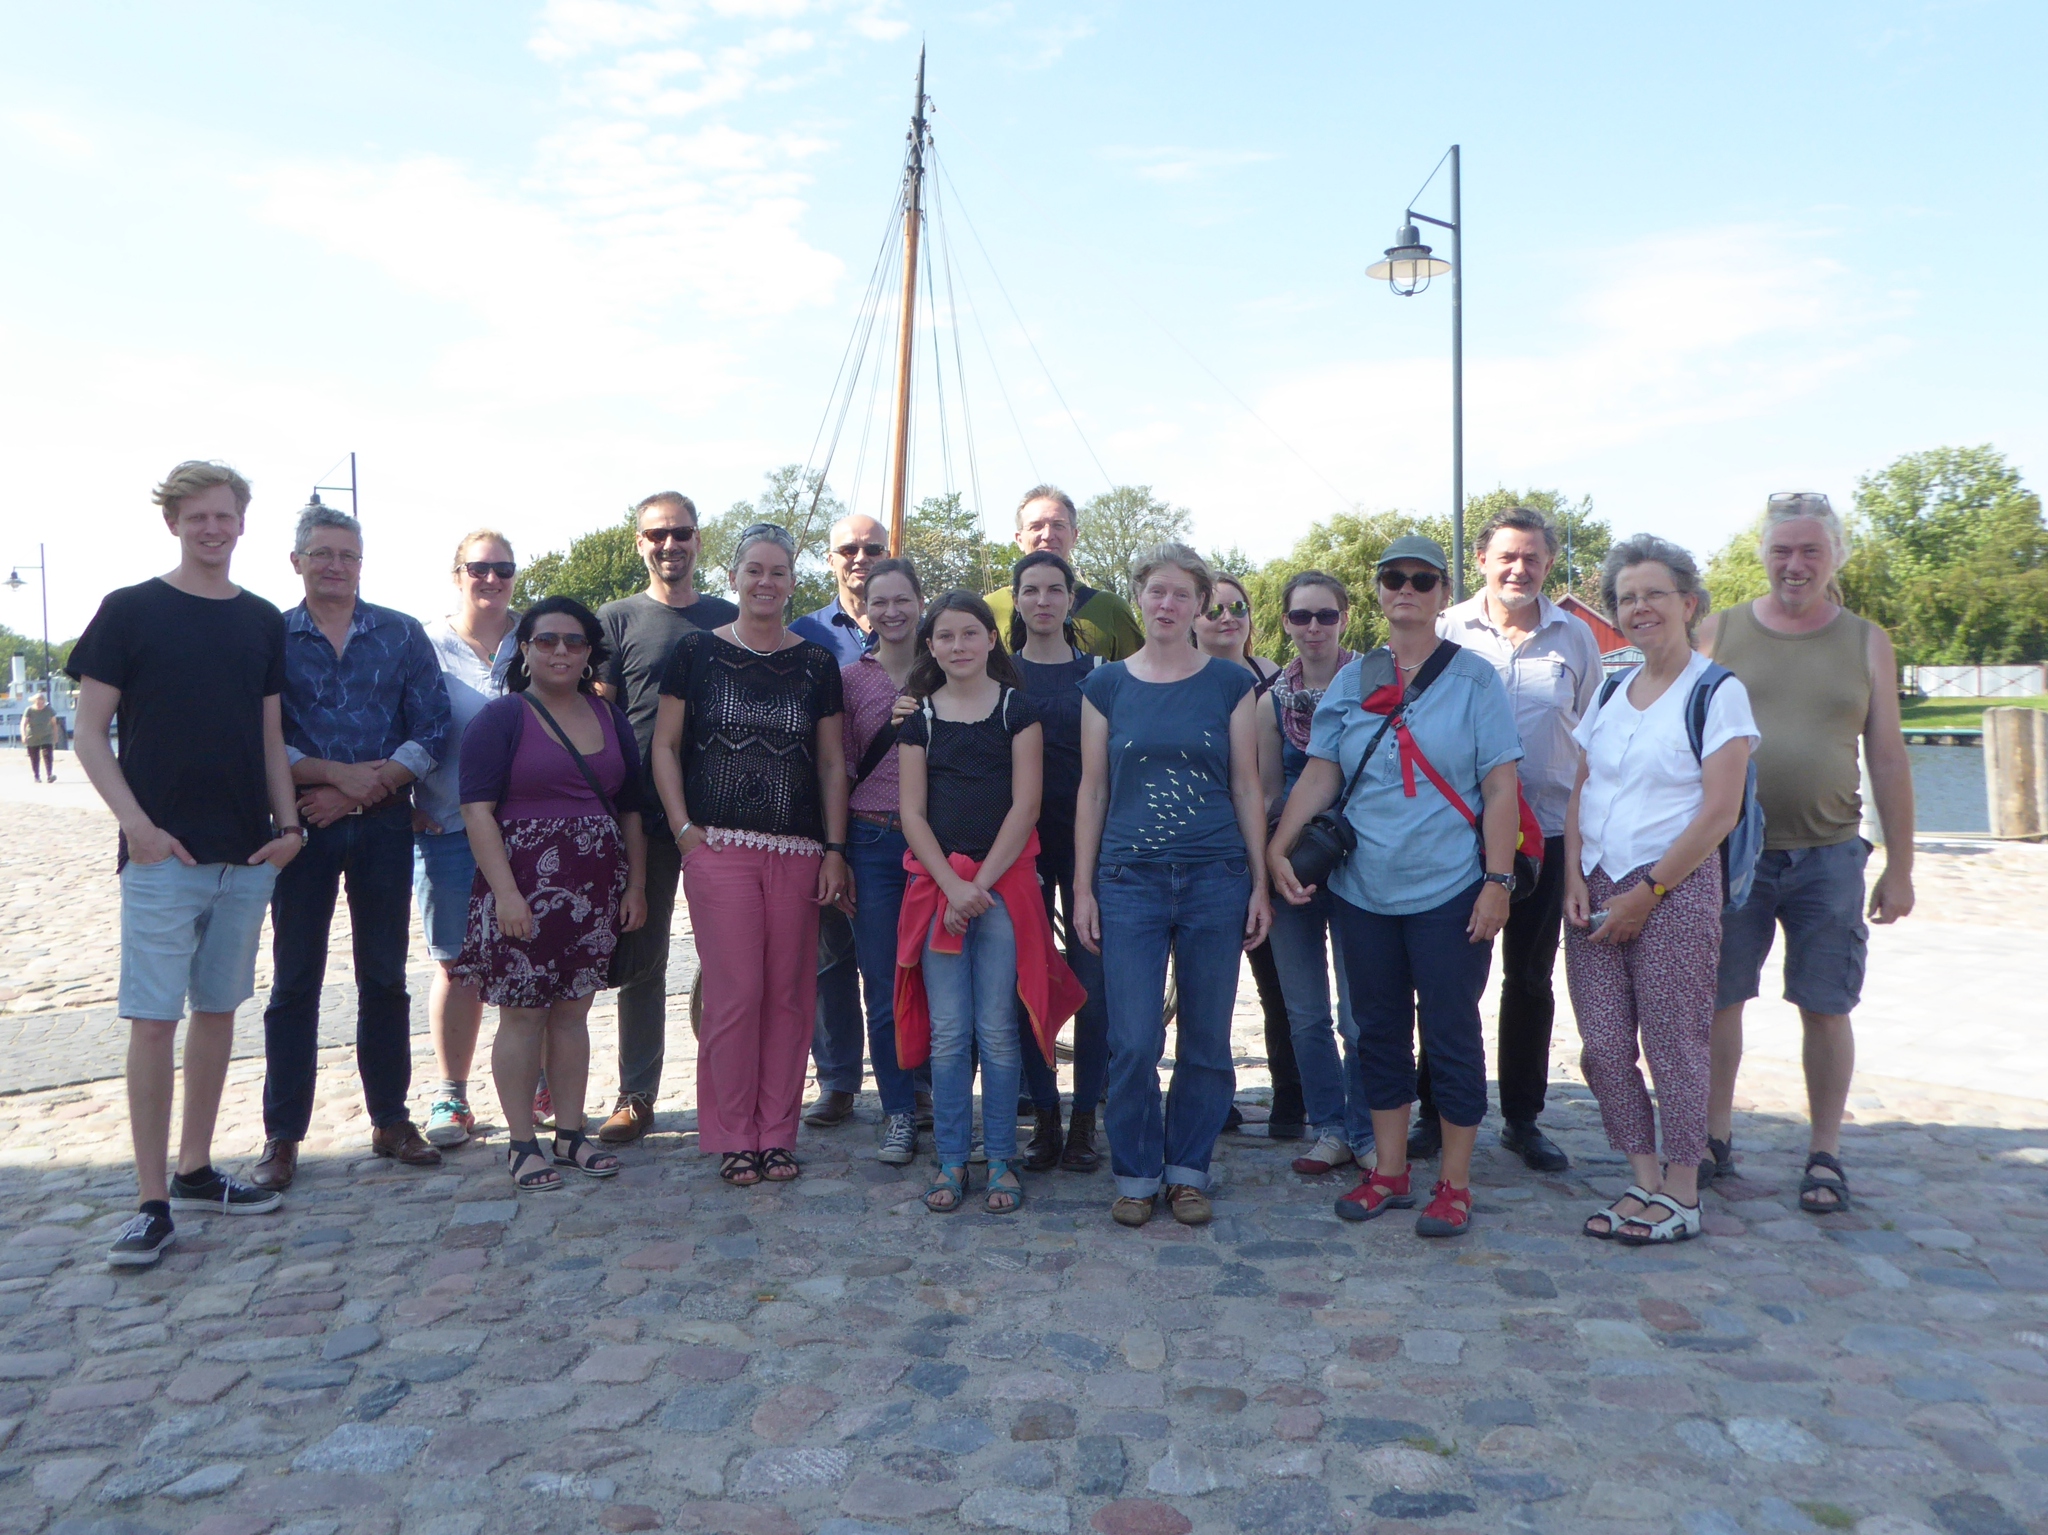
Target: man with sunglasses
[858,544]
[1103,622]
[1549,662]
[640,631]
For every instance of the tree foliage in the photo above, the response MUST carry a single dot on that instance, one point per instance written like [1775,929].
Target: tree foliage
[597,568]
[943,536]
[30,649]
[1115,526]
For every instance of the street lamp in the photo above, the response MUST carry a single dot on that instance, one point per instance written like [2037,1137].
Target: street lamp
[15,584]
[1407,269]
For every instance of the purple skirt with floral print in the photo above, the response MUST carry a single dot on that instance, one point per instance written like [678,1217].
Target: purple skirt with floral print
[572,872]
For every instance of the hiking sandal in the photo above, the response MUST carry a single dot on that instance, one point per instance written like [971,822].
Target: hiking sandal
[1612,1214]
[1003,1183]
[1836,1188]
[742,1169]
[1719,1162]
[778,1166]
[1448,1214]
[541,1179]
[1681,1225]
[584,1154]
[949,1185]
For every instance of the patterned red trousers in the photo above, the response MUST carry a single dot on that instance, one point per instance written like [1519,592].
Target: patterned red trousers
[1656,989]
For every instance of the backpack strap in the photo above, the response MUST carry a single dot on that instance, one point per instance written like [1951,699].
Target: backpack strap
[1432,669]
[1696,706]
[582,765]
[1607,687]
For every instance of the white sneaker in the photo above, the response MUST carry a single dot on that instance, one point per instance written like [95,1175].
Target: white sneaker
[899,1140]
[1329,1153]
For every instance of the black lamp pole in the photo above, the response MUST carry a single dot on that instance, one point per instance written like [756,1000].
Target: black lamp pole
[15,584]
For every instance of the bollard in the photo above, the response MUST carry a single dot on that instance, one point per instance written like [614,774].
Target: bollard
[2016,771]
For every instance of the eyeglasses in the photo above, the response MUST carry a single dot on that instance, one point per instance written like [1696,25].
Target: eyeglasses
[855,551]
[665,535]
[1422,580]
[1236,609]
[1634,600]
[332,556]
[1803,500]
[1301,618]
[575,644]
[504,570]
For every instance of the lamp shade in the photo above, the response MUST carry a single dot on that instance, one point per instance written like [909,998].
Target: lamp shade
[1408,266]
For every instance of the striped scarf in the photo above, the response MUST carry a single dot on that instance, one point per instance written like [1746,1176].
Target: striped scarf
[1297,703]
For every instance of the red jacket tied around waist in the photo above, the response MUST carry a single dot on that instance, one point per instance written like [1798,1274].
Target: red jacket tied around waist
[1049,990]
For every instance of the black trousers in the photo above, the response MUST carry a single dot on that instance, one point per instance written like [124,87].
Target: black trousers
[1287,1109]
[1528,1007]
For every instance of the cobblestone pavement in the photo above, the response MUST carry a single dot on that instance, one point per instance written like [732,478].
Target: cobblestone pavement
[421,1351]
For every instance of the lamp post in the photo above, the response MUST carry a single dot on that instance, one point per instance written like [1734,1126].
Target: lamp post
[15,584]
[1407,269]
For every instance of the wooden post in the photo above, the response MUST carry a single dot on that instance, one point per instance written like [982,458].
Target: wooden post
[2016,771]
[913,218]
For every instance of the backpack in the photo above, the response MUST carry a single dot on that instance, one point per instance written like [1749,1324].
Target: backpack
[1743,845]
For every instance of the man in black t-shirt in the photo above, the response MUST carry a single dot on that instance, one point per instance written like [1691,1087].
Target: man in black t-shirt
[193,666]
[641,630]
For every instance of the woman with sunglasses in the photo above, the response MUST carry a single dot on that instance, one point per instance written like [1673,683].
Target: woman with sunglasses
[1167,836]
[1315,609]
[1224,630]
[1415,906]
[551,798]
[474,645]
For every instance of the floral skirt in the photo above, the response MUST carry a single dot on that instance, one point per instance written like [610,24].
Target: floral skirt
[572,872]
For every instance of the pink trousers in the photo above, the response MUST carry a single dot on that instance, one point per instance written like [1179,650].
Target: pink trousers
[755,917]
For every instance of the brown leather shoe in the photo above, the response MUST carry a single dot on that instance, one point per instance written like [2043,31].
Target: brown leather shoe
[402,1142]
[278,1165]
[830,1109]
[1190,1206]
[632,1118]
[1132,1211]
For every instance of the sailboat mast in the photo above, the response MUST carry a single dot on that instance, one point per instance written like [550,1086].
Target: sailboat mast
[913,220]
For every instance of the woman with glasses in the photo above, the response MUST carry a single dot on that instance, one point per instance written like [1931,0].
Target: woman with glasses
[1167,836]
[550,795]
[1415,906]
[1224,630]
[1315,609]
[474,645]
[750,759]
[1643,891]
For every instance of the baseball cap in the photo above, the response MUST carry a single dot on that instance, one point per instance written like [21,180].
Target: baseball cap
[1413,546]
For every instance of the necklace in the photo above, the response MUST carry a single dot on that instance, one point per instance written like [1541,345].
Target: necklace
[734,631]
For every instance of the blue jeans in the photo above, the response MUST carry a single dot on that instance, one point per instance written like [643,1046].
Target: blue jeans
[372,854]
[835,1038]
[1332,1091]
[875,854]
[443,870]
[973,1000]
[190,930]
[1091,1024]
[1195,912]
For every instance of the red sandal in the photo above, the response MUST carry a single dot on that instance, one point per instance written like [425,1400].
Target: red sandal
[1375,1195]
[1449,1213]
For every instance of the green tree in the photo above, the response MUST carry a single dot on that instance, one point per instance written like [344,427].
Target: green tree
[1952,507]
[30,649]
[945,538]
[597,568]
[1115,526]
[1348,547]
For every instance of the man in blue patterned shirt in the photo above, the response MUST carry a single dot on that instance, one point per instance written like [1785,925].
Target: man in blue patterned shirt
[364,715]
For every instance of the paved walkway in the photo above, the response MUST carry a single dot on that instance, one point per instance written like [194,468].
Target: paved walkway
[400,1351]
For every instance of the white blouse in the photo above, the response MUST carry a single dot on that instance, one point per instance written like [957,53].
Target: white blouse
[1643,784]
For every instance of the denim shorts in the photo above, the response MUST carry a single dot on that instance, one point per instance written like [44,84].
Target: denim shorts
[190,930]
[443,869]
[1817,893]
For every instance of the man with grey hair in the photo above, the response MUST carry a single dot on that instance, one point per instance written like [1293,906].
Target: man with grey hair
[1822,682]
[1104,624]
[364,715]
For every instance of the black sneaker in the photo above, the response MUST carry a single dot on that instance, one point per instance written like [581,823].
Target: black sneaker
[213,1191]
[142,1241]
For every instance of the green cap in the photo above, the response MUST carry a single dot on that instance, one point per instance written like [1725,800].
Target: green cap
[1413,546]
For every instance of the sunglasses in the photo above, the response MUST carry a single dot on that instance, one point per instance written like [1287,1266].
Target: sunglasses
[504,570]
[855,551]
[575,644]
[1236,609]
[666,535]
[1802,499]
[1422,580]
[1329,618]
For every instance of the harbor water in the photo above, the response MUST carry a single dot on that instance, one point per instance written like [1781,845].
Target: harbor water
[1948,789]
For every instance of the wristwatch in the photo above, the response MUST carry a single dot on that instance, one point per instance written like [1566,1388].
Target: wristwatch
[1659,891]
[836,847]
[1505,881]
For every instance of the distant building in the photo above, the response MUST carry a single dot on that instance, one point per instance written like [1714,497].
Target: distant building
[1616,653]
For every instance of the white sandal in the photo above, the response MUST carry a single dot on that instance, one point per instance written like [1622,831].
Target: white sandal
[1681,1225]
[1615,1218]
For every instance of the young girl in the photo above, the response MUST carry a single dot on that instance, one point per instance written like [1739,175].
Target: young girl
[969,775]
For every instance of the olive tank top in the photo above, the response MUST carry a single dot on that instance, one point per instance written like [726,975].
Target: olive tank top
[1811,696]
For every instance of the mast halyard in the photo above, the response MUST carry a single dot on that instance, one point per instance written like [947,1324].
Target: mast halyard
[913,220]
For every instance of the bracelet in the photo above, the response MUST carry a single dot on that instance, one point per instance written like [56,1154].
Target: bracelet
[296,829]
[682,829]
[836,847]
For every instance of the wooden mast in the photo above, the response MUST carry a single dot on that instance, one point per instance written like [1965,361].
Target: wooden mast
[913,219]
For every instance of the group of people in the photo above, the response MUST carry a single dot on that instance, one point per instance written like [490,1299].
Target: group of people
[943,826]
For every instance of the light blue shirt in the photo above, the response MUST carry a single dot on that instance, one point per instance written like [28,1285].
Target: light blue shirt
[471,683]
[1415,851]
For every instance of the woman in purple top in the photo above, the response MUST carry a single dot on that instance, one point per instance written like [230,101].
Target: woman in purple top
[550,798]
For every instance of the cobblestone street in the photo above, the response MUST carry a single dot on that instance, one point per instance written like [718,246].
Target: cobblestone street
[421,1351]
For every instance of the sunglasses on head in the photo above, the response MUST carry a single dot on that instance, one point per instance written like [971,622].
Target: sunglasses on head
[573,643]
[1301,618]
[504,570]
[855,551]
[1236,609]
[664,535]
[1804,500]
[1422,580]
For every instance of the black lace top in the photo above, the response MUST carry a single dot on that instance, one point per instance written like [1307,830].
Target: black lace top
[749,737]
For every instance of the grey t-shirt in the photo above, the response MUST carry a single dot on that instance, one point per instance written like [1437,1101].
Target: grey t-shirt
[640,633]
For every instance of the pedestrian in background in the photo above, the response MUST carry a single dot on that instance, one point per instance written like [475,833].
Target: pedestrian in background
[39,735]
[551,797]
[750,758]
[473,645]
[1643,889]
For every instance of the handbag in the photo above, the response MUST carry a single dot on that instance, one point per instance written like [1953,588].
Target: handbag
[1328,838]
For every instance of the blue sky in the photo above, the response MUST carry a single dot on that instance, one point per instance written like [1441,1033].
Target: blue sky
[532,262]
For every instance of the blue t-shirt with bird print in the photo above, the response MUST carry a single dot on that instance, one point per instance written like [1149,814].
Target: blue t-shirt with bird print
[1169,764]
